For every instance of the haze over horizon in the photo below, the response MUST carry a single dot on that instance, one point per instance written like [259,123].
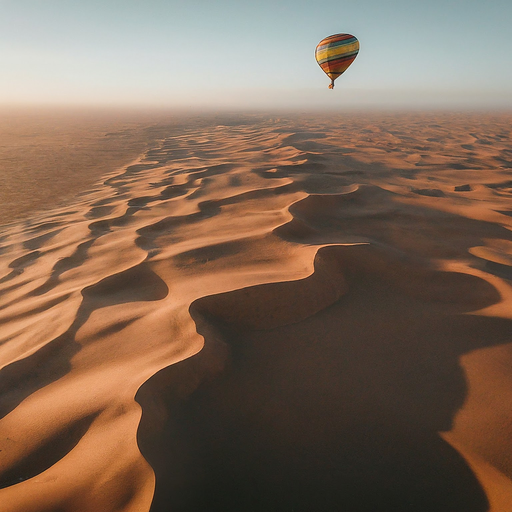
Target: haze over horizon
[258,55]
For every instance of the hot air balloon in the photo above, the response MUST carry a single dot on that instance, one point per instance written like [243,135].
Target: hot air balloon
[335,53]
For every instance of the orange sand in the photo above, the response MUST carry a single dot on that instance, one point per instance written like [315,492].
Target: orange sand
[307,313]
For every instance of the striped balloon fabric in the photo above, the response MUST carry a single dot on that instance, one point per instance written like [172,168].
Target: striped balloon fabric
[335,53]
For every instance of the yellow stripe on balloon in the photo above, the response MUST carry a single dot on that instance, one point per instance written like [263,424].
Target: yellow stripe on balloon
[337,51]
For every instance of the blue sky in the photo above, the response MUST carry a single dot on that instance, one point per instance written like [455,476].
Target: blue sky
[260,54]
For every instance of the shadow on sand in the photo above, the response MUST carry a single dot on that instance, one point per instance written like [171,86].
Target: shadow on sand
[340,411]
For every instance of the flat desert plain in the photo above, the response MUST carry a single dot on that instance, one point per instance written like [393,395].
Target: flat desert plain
[256,312]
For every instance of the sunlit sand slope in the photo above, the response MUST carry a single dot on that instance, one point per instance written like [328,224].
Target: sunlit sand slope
[299,313]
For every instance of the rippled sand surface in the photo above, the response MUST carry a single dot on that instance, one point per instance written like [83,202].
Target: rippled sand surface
[257,313]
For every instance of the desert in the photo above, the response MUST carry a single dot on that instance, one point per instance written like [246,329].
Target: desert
[256,311]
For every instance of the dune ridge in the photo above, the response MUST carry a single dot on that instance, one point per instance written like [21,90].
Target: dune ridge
[263,313]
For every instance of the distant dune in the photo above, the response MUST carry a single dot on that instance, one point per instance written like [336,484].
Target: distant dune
[251,312]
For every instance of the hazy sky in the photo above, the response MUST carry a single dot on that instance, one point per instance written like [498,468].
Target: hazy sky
[254,54]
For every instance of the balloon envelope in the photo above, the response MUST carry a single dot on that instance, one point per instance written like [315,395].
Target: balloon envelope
[335,53]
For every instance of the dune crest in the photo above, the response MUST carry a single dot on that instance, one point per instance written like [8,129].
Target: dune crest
[264,313]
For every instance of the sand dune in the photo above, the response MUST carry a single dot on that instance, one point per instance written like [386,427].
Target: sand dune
[267,313]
